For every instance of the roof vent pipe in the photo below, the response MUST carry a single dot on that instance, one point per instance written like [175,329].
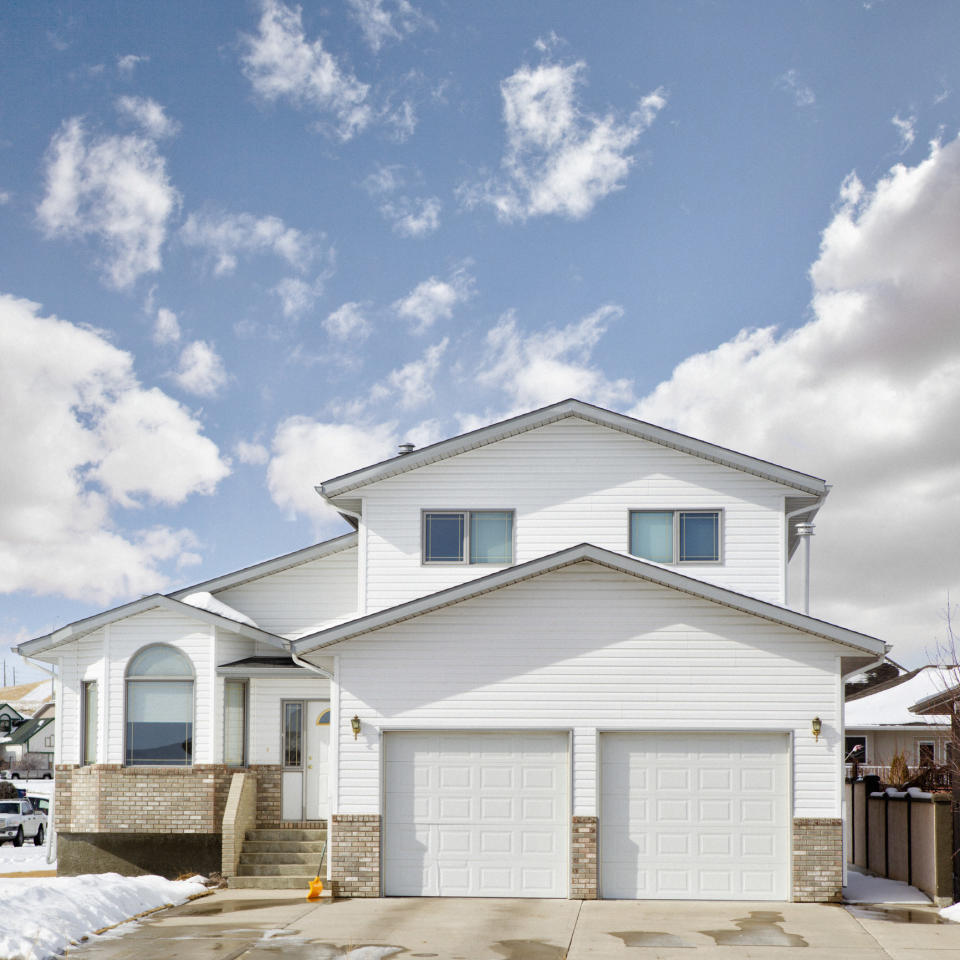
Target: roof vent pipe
[404,448]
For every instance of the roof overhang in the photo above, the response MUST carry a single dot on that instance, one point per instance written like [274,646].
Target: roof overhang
[267,668]
[942,703]
[337,488]
[868,648]
[81,628]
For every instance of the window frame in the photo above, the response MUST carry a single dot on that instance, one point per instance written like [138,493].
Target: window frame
[164,679]
[856,736]
[932,744]
[245,746]
[677,512]
[85,686]
[467,513]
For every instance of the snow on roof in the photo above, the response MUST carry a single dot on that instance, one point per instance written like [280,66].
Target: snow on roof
[203,600]
[890,706]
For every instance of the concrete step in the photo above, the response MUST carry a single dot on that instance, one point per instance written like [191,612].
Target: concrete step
[266,834]
[286,856]
[271,883]
[305,871]
[313,847]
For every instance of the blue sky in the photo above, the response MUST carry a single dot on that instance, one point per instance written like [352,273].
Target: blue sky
[245,247]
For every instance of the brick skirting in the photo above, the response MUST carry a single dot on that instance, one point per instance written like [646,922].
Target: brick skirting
[817,860]
[355,854]
[583,859]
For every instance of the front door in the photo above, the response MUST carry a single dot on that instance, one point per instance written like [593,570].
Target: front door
[306,743]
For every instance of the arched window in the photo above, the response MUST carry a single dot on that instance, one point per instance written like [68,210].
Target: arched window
[159,708]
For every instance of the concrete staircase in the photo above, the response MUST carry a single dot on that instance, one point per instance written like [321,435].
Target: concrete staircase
[280,859]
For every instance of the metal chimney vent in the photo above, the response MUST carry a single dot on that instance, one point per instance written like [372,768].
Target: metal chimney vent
[404,448]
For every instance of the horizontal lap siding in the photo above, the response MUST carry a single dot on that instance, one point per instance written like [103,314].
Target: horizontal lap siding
[571,482]
[264,723]
[302,599]
[583,648]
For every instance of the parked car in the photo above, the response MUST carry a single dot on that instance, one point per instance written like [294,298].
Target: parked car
[19,820]
[26,773]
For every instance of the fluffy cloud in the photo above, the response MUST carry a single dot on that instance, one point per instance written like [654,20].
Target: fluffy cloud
[166,329]
[559,159]
[906,130]
[382,20]
[534,369]
[791,83]
[149,114]
[128,62]
[412,384]
[434,299]
[114,189]
[201,370]
[298,296]
[413,218]
[347,322]
[867,395]
[225,236]
[307,451]
[82,438]
[251,453]
[282,64]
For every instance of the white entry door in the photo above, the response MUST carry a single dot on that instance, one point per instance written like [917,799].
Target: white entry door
[695,816]
[304,793]
[476,814]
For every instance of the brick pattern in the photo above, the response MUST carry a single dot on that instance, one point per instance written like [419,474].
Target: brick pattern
[355,854]
[240,815]
[583,859]
[817,860]
[269,779]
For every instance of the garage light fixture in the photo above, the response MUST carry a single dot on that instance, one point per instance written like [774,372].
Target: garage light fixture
[815,728]
[355,726]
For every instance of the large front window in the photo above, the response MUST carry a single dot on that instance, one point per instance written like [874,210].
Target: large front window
[468,536]
[159,708]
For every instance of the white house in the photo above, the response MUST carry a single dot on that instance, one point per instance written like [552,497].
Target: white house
[554,658]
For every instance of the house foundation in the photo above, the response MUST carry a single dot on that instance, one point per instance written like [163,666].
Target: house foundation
[583,859]
[817,855]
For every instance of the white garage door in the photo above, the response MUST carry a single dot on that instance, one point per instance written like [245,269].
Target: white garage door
[476,815]
[695,816]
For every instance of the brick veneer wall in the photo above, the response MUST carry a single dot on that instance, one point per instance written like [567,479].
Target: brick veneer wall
[355,854]
[583,859]
[817,860]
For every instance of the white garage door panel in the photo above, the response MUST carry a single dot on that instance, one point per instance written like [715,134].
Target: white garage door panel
[695,816]
[476,814]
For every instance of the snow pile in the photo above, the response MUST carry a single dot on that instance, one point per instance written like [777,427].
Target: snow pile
[25,859]
[203,600]
[892,706]
[863,888]
[40,918]
[951,912]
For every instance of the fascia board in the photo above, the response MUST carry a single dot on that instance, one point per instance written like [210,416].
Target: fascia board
[919,727]
[259,570]
[615,561]
[337,486]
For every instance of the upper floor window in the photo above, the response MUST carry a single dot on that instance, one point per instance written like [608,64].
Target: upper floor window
[159,708]
[675,536]
[468,536]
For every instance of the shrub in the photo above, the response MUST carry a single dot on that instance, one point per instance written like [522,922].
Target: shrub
[899,774]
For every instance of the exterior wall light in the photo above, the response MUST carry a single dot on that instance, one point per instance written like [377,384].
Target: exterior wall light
[815,728]
[355,726]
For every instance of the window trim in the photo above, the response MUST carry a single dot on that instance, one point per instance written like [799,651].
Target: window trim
[933,750]
[677,511]
[466,513]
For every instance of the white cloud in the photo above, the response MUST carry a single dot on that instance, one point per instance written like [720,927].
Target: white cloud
[434,299]
[559,159]
[413,218]
[149,114]
[866,394]
[166,329]
[4,197]
[298,296]
[307,451]
[201,369]
[128,62]
[385,179]
[383,20]
[347,322]
[228,235]
[534,369]
[114,189]
[82,438]
[906,130]
[412,384]
[283,65]
[251,453]
[791,83]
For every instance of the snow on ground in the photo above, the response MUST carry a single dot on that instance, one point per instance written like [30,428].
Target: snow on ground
[951,912]
[24,859]
[40,917]
[862,888]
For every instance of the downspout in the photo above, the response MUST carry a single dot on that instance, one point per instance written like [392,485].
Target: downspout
[306,665]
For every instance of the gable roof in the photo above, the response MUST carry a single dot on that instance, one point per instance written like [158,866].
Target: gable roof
[889,704]
[347,482]
[28,729]
[615,561]
[80,628]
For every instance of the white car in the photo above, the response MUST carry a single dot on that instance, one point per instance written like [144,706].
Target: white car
[18,820]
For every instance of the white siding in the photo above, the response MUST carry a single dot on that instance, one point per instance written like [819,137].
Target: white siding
[302,599]
[589,649]
[263,723]
[571,482]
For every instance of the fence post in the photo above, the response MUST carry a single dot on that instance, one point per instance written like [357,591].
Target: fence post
[886,834]
[909,838]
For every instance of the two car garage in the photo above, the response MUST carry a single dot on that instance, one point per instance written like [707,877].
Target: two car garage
[681,815]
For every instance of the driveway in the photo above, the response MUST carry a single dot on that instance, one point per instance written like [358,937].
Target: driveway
[273,925]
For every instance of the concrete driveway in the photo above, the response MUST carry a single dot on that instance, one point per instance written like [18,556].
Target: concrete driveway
[273,925]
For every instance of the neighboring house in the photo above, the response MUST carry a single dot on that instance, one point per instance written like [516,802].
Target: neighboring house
[554,658]
[18,704]
[880,722]
[36,738]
